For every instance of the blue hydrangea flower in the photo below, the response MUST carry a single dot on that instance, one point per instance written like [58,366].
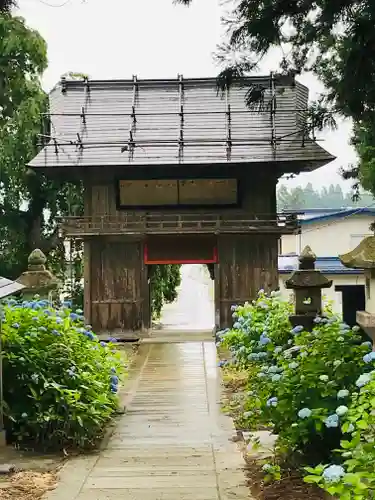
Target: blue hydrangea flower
[344,326]
[344,393]
[113,340]
[273,369]
[67,304]
[89,335]
[261,291]
[233,308]
[293,365]
[363,380]
[297,329]
[55,332]
[367,344]
[114,388]
[304,413]
[237,325]
[264,340]
[276,377]
[15,325]
[114,380]
[272,402]
[341,411]
[73,316]
[103,344]
[261,375]
[234,315]
[113,370]
[253,356]
[71,373]
[356,328]
[332,421]
[278,350]
[317,320]
[266,467]
[368,358]
[333,473]
[351,428]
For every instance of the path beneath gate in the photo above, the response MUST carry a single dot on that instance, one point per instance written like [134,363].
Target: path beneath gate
[173,443]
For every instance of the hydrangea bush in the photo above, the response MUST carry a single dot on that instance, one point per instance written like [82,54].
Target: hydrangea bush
[60,382]
[314,389]
[354,477]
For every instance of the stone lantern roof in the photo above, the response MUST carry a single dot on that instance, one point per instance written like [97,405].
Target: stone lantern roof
[362,257]
[37,279]
[307,276]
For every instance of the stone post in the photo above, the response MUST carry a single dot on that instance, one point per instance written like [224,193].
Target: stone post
[37,280]
[307,284]
[363,257]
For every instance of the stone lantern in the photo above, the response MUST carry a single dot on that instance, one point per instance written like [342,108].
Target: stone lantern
[363,257]
[37,280]
[307,283]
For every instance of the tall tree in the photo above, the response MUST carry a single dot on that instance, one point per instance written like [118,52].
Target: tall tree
[29,203]
[333,39]
[308,197]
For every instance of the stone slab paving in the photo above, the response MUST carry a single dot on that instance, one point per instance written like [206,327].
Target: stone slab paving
[173,443]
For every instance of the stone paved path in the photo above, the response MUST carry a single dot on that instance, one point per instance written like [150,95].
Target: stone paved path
[172,444]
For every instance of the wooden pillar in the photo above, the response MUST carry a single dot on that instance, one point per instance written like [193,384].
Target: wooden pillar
[87,280]
[248,263]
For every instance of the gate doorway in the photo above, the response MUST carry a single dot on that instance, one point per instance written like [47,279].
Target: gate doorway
[193,309]
[194,306]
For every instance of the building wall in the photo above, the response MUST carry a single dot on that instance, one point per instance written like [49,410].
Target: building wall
[329,238]
[329,294]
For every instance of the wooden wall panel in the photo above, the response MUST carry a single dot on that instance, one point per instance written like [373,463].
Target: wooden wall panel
[117,282]
[247,263]
[257,191]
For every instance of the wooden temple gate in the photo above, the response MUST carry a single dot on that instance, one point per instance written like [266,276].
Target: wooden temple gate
[173,172]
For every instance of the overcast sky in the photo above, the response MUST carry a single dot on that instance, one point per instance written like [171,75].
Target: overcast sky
[152,39]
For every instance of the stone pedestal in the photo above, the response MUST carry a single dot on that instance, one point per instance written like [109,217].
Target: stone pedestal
[363,257]
[307,283]
[37,280]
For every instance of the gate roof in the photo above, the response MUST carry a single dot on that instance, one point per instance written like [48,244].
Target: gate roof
[183,121]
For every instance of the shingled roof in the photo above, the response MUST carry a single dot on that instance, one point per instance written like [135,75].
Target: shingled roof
[182,121]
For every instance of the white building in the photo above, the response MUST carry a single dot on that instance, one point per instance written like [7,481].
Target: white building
[330,233]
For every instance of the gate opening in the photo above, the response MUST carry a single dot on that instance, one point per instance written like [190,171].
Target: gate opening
[194,306]
[196,255]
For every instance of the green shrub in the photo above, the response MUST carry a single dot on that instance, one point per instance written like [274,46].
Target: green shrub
[304,385]
[60,382]
[354,478]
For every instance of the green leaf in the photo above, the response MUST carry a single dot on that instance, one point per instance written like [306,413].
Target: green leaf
[312,479]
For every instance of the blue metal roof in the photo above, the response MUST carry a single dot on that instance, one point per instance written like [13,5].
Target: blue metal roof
[328,265]
[328,214]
